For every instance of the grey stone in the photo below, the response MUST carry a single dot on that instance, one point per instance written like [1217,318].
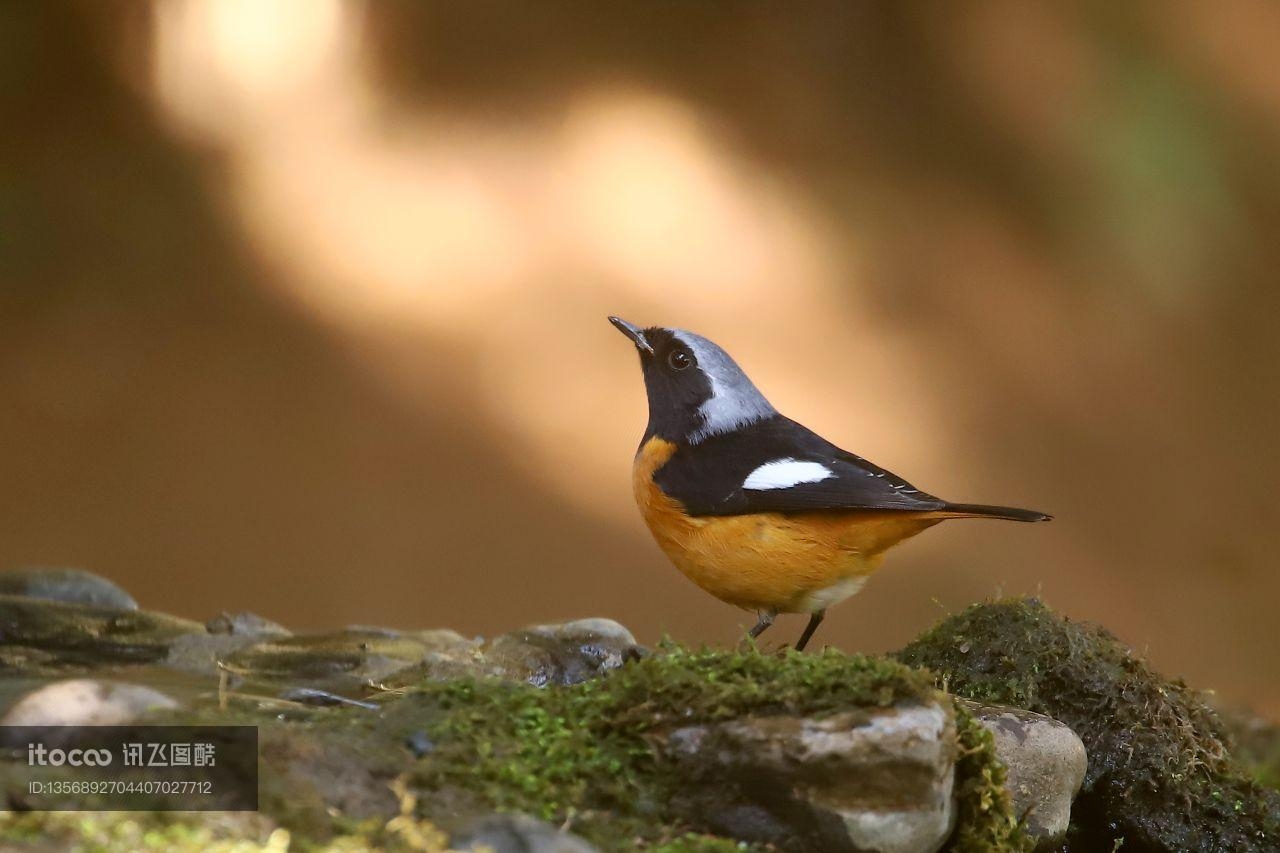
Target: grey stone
[874,779]
[1046,763]
[517,834]
[565,653]
[85,702]
[245,624]
[72,586]
[419,743]
[200,653]
[227,633]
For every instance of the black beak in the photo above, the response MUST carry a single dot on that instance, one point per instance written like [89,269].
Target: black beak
[633,332]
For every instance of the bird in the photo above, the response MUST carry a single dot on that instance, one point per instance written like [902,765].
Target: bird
[755,508]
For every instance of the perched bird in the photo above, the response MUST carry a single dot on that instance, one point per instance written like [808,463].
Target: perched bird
[753,507]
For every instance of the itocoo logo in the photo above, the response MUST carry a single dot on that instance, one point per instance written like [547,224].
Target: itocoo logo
[40,755]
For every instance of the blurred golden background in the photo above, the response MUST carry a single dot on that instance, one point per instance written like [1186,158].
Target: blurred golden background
[302,302]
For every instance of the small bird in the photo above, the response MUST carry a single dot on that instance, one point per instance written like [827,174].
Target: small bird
[753,507]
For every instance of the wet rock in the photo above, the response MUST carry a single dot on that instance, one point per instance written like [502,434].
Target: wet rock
[82,634]
[878,779]
[227,633]
[566,653]
[517,834]
[341,662]
[85,702]
[245,624]
[1045,761]
[71,586]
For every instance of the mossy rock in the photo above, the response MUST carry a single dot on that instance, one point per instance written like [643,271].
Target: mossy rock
[1160,776]
[86,635]
[443,753]
[343,661]
[583,753]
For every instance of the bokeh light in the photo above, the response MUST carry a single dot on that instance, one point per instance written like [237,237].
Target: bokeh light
[304,305]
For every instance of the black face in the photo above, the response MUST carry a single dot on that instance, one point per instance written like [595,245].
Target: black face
[675,385]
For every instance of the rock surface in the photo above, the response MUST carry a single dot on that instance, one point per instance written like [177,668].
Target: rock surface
[75,633]
[227,633]
[567,653]
[539,655]
[1161,775]
[1045,762]
[868,779]
[245,624]
[70,586]
[415,734]
[517,834]
[341,661]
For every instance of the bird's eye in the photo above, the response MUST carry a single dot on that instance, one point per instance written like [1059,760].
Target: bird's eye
[679,359]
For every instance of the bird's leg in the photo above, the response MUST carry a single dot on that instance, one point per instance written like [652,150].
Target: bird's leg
[765,620]
[814,621]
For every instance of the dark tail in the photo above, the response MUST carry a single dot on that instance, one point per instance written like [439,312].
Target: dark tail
[981,511]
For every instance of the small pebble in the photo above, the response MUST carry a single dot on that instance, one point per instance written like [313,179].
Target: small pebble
[419,744]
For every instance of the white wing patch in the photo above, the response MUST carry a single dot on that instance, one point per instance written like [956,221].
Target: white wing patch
[785,473]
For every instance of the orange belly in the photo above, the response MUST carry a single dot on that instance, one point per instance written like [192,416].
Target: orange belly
[785,562]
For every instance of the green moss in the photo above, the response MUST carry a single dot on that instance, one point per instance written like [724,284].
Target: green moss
[582,753]
[984,813]
[210,832]
[92,832]
[1159,772]
[693,843]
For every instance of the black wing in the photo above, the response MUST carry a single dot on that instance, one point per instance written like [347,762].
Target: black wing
[710,478]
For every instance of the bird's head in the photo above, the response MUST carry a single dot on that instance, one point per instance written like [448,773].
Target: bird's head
[695,389]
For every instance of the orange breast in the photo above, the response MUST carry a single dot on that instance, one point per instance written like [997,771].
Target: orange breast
[767,561]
